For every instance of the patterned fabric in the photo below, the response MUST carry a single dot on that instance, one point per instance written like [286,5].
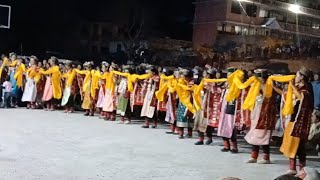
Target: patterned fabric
[302,115]
[242,116]
[171,108]
[267,119]
[80,85]
[212,108]
[162,106]
[137,97]
[150,100]
[184,117]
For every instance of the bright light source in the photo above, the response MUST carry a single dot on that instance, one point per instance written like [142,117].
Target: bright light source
[295,8]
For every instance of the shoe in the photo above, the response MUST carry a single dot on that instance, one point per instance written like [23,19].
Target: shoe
[91,114]
[86,114]
[199,143]
[127,122]
[225,150]
[188,136]
[169,132]
[120,122]
[180,137]
[175,133]
[263,161]
[291,172]
[250,161]
[145,126]
[234,151]
[153,126]
[209,141]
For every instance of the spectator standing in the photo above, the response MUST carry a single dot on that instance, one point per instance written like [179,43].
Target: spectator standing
[316,90]
[7,85]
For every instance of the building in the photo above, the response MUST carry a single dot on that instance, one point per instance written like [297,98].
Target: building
[252,22]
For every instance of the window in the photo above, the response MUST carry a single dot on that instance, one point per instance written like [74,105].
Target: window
[316,26]
[251,10]
[263,13]
[235,8]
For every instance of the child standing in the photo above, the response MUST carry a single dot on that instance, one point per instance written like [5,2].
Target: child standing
[7,85]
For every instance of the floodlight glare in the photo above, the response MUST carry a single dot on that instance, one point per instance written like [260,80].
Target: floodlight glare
[295,8]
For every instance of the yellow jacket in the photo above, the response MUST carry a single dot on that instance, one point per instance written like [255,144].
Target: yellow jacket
[109,77]
[18,76]
[34,74]
[96,75]
[90,81]
[69,76]
[56,84]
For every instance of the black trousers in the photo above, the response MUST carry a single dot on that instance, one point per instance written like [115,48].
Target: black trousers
[301,152]
[71,101]
[265,149]
[209,132]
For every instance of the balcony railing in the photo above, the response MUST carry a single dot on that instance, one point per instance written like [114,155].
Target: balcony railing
[304,10]
[283,5]
[301,29]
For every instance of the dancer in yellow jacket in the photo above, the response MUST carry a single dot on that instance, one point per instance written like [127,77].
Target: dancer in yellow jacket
[54,73]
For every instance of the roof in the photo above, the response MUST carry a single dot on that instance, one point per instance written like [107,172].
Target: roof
[271,23]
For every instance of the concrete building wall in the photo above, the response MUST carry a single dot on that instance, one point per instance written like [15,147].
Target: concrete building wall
[207,14]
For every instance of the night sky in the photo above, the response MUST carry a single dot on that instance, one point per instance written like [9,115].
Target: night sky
[42,25]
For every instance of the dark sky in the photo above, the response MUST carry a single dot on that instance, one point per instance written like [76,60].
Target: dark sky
[46,24]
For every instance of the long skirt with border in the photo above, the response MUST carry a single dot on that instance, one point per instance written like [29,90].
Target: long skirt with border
[100,98]
[200,122]
[48,90]
[226,122]
[30,91]
[255,136]
[171,109]
[137,96]
[149,104]
[184,117]
[108,102]
[122,105]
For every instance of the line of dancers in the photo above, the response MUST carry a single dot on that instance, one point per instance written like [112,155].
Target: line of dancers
[199,99]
